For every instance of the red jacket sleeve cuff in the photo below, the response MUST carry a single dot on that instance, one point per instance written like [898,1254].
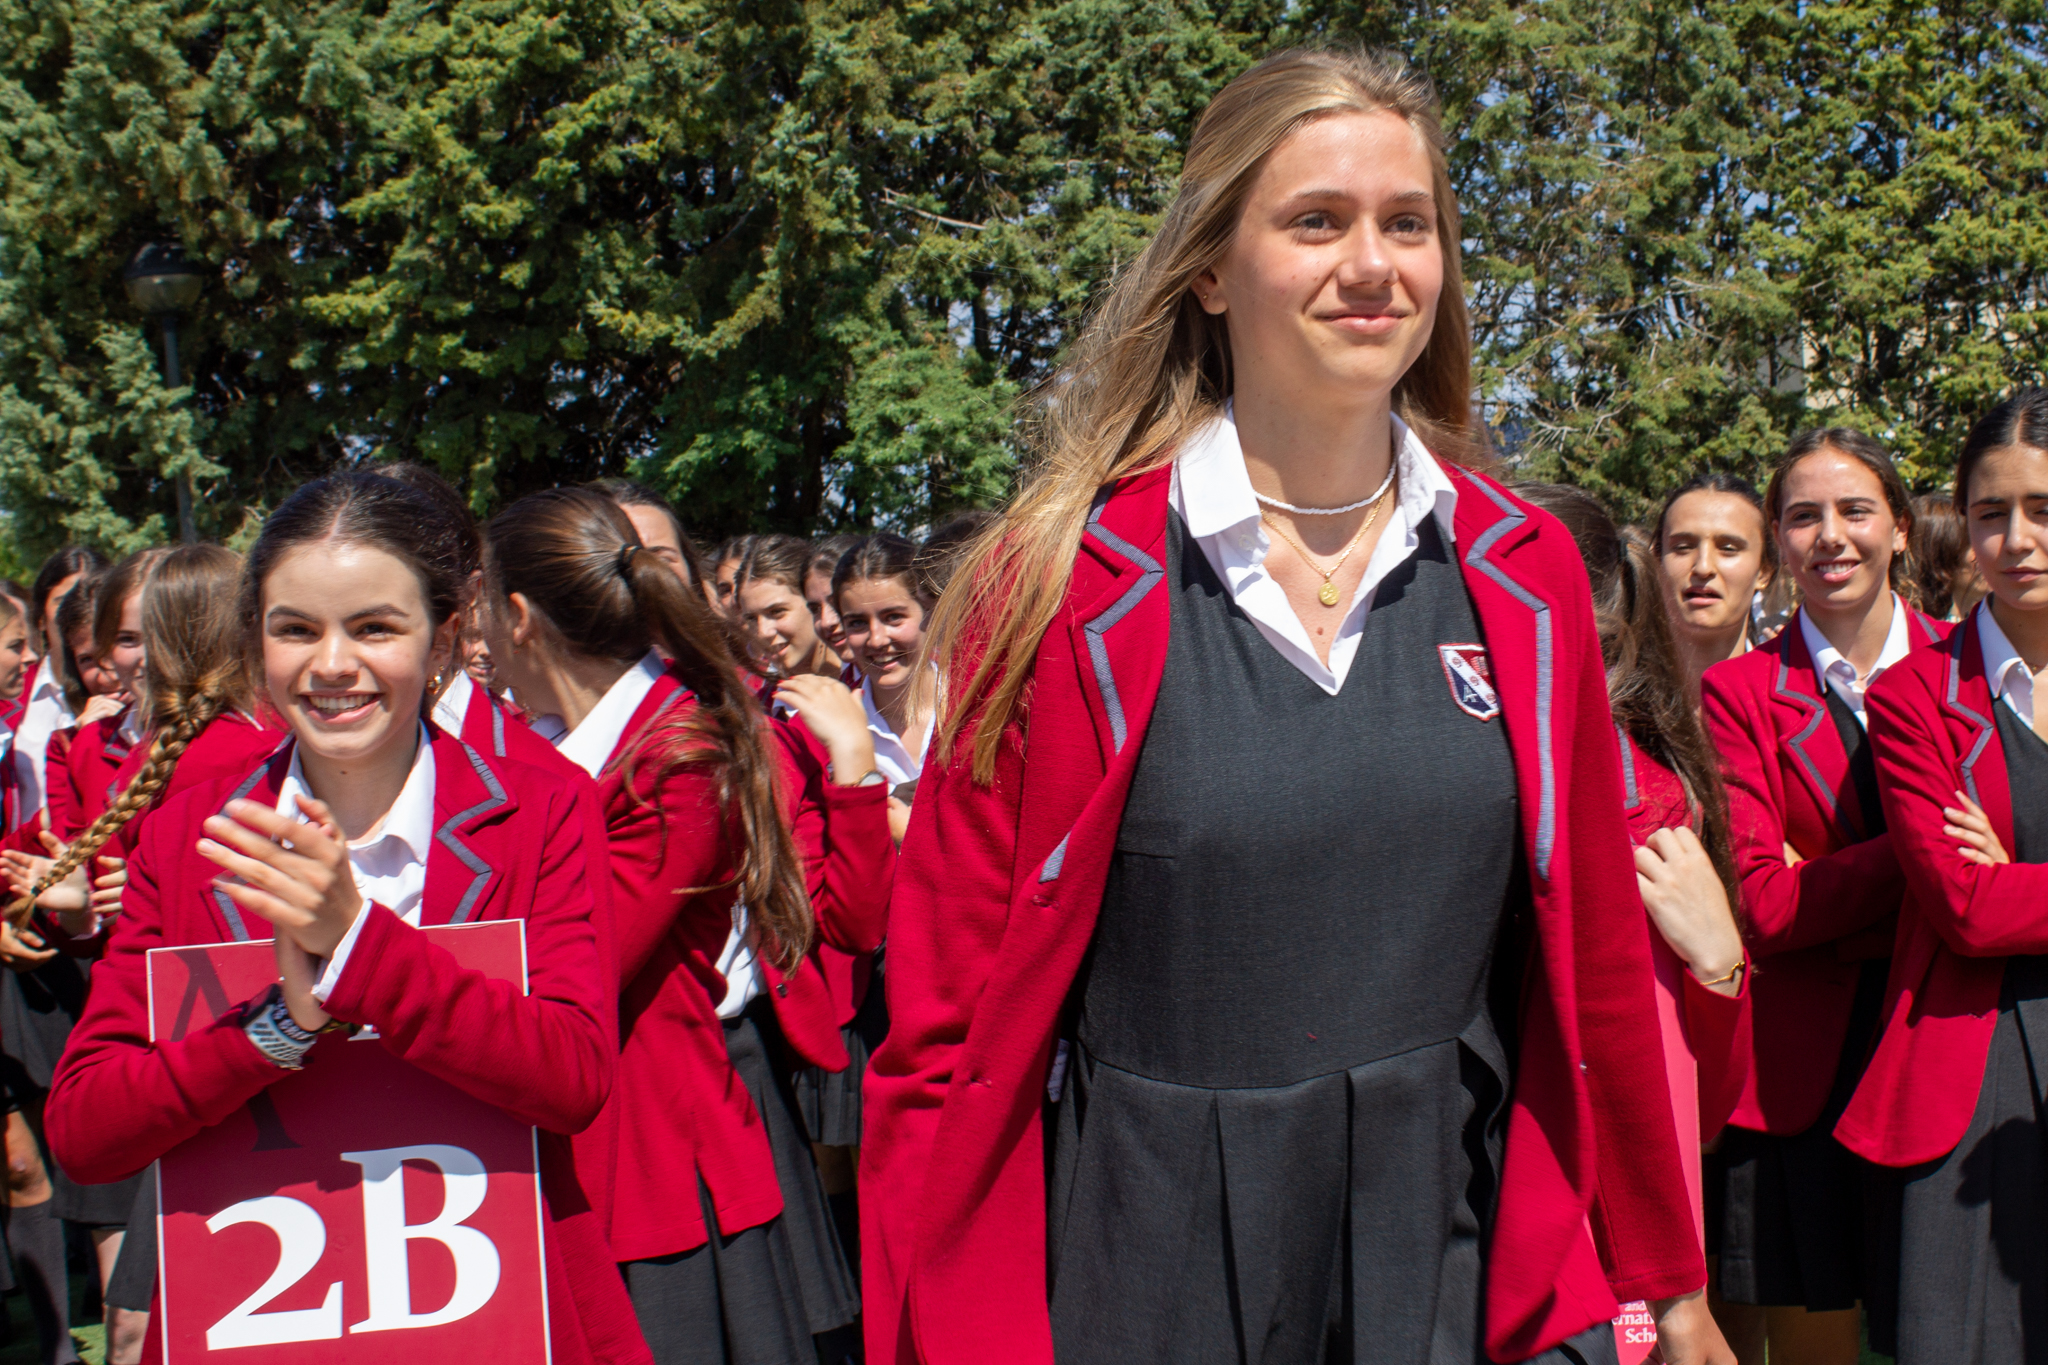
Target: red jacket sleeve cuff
[350,998]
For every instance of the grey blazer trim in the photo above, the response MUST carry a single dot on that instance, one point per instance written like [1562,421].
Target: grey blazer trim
[497,726]
[1983,723]
[229,911]
[1816,712]
[1546,763]
[445,836]
[1054,861]
[1098,651]
[1630,798]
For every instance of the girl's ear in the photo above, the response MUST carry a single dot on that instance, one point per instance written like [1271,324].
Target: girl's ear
[525,625]
[443,656]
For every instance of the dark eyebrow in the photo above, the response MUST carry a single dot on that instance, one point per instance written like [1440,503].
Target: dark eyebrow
[1405,197]
[381,609]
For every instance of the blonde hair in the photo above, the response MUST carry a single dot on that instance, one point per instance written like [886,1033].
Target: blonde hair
[1150,367]
[192,662]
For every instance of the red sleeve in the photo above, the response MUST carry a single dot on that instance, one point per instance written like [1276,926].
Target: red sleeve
[660,851]
[843,834]
[542,1055]
[1979,911]
[119,1101]
[1813,902]
[1718,1027]
[60,786]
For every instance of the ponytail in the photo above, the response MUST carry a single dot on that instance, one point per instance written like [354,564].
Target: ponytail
[575,556]
[192,673]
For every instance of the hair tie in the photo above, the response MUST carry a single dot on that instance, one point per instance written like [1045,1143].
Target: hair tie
[625,560]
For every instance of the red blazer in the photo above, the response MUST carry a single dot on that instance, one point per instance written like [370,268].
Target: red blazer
[1716,1026]
[80,788]
[682,1111]
[1932,721]
[508,845]
[996,902]
[1811,925]
[229,746]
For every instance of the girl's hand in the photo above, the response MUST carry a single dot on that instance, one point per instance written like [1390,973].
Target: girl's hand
[1687,1333]
[1792,858]
[835,715]
[102,707]
[1979,842]
[106,893]
[22,949]
[24,870]
[899,819]
[294,873]
[297,973]
[1689,905]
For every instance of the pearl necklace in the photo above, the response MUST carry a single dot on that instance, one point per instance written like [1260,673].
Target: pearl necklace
[1377,493]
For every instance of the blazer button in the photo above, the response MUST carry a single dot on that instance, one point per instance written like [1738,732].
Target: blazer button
[782,988]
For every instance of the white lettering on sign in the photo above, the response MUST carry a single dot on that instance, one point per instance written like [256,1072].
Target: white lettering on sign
[301,1238]
[386,1235]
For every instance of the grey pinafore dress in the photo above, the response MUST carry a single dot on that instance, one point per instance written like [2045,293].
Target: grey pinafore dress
[1973,1236]
[1282,1114]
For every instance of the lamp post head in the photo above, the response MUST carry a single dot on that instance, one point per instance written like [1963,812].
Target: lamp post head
[160,279]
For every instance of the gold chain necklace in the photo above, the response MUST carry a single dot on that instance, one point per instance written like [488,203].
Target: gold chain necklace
[1327,594]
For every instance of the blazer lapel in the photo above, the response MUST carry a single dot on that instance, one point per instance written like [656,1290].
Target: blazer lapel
[1968,701]
[262,787]
[468,794]
[1815,746]
[1515,618]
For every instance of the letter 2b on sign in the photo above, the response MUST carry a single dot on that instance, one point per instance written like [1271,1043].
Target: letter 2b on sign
[387,1239]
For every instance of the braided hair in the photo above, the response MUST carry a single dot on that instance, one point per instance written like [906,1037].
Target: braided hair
[192,652]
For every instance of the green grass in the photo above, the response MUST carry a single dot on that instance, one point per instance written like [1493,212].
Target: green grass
[21,1343]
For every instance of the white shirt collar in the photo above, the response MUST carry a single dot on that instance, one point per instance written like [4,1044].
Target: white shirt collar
[132,729]
[410,819]
[1213,494]
[451,708]
[589,746]
[47,685]
[892,755]
[2004,669]
[1213,489]
[1832,669]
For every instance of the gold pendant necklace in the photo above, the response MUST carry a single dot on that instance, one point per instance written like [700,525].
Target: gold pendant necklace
[1327,594]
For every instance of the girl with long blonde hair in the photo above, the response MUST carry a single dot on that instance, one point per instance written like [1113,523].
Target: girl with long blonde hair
[1267,969]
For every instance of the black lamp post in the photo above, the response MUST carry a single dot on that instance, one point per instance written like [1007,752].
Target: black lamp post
[163,283]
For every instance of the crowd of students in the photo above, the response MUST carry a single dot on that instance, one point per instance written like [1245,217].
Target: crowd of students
[1277,892]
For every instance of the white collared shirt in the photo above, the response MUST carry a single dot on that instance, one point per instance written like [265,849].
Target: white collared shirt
[892,757]
[589,746]
[47,712]
[389,862]
[1212,492]
[1831,669]
[2010,678]
[451,708]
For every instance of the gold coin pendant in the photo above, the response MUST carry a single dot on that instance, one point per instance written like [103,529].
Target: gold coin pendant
[1327,594]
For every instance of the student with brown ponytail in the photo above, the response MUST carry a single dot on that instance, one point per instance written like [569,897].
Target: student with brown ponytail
[629,672]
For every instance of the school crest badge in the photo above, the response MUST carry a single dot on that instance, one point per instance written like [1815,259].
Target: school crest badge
[1471,679]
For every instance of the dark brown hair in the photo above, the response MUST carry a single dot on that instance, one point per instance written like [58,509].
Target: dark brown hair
[1645,682]
[948,545]
[826,554]
[1867,451]
[1721,481]
[194,671]
[2021,420]
[1937,555]
[881,557]
[72,559]
[74,613]
[573,554]
[774,559]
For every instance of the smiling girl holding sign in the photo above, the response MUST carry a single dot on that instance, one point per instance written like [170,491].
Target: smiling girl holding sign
[1272,829]
[364,827]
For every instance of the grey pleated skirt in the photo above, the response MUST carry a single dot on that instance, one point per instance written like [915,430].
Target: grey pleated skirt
[759,1296]
[830,1100]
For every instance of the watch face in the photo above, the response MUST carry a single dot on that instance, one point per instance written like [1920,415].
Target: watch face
[905,792]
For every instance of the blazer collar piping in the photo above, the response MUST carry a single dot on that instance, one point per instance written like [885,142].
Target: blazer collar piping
[479,867]
[1816,710]
[229,911]
[1150,574]
[1513,519]
[1631,798]
[1982,723]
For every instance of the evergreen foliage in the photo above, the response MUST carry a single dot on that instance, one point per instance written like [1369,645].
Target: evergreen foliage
[794,262]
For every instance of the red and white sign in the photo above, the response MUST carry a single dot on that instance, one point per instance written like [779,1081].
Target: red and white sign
[359,1210]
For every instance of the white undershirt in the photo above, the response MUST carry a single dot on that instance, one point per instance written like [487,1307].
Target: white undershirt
[389,861]
[1831,669]
[2011,680]
[47,712]
[1212,492]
